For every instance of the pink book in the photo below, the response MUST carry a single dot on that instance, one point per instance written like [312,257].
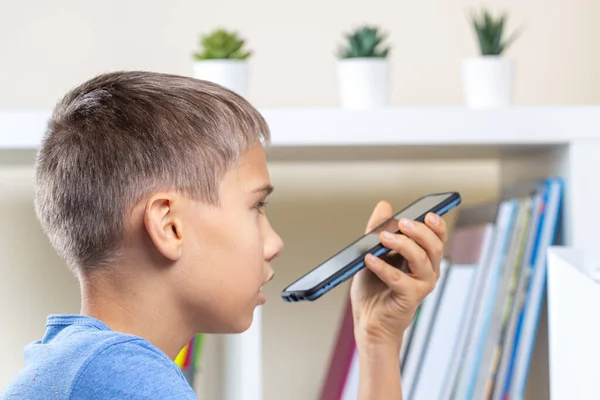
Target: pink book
[467,245]
[339,363]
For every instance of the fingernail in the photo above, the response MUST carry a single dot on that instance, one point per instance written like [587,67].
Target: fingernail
[408,224]
[371,258]
[434,219]
[388,235]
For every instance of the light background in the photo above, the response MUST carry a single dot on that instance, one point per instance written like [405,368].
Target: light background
[47,47]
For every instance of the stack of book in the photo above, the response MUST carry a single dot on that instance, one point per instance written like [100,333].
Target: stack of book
[188,358]
[473,336]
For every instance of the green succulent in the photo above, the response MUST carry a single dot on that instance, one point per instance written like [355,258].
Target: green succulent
[490,33]
[364,41]
[222,44]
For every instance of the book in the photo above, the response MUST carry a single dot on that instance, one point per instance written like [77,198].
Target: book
[498,378]
[421,334]
[504,301]
[188,359]
[341,359]
[524,340]
[470,244]
[466,381]
[444,332]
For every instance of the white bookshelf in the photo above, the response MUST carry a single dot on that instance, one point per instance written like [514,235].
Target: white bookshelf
[529,142]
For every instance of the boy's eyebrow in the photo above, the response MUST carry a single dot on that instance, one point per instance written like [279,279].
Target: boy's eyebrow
[267,189]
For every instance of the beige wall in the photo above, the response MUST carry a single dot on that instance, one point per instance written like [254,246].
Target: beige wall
[34,283]
[47,47]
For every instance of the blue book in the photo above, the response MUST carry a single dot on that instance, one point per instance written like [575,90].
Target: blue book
[525,334]
[505,222]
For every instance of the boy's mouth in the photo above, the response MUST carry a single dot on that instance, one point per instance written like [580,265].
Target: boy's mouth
[262,297]
[268,279]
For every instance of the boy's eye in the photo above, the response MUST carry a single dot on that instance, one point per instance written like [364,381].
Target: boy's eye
[260,205]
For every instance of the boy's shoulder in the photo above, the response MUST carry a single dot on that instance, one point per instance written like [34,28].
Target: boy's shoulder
[80,357]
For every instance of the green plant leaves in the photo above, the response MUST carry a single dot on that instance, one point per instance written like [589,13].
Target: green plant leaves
[222,44]
[490,32]
[364,41]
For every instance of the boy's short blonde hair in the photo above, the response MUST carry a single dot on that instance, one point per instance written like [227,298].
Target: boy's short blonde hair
[121,136]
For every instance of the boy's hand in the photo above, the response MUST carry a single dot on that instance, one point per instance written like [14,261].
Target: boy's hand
[385,299]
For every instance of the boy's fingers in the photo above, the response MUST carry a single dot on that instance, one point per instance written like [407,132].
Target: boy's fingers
[419,262]
[438,225]
[393,277]
[427,239]
[381,212]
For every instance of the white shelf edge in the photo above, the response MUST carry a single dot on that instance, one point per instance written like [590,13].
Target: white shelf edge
[515,126]
[306,127]
[22,129]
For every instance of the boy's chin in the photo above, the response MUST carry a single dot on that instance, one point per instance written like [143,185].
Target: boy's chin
[240,324]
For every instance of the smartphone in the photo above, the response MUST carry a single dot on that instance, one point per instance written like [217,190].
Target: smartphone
[343,265]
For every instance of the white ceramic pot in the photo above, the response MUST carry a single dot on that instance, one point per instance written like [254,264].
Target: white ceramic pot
[363,83]
[488,81]
[230,73]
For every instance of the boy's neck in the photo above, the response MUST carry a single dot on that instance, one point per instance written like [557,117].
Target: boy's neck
[138,307]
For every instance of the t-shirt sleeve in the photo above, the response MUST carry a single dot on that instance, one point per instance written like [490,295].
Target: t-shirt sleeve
[129,370]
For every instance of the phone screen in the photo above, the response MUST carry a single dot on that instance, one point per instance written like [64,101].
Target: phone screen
[368,241]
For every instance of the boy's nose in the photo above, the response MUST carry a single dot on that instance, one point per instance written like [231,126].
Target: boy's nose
[274,247]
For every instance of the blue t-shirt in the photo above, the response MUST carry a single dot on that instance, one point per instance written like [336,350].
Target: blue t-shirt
[80,357]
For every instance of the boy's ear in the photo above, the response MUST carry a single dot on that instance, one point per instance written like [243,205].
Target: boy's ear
[164,226]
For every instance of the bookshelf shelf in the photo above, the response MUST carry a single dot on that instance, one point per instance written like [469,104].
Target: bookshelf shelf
[506,129]
[529,143]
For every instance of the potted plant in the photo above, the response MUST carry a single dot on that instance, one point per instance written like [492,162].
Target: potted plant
[488,79]
[363,69]
[223,60]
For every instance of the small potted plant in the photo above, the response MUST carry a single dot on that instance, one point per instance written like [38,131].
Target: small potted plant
[223,60]
[488,79]
[363,69]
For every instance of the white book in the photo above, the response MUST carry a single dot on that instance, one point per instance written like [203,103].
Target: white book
[406,341]
[445,332]
[420,335]
[473,303]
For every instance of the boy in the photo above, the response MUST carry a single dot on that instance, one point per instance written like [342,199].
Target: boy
[152,188]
